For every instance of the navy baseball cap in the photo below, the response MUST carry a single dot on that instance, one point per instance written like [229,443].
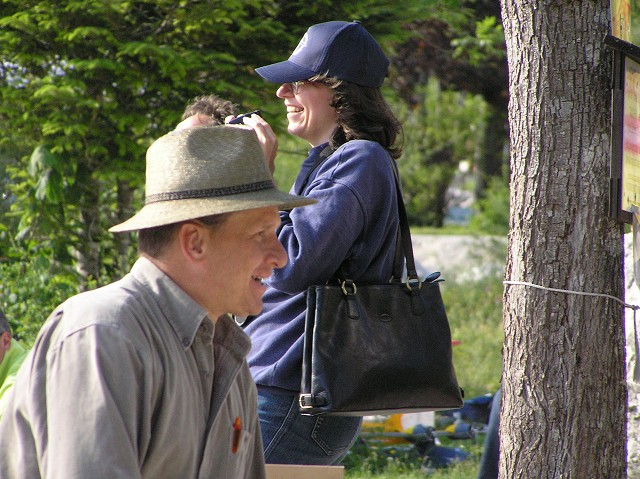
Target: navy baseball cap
[344,50]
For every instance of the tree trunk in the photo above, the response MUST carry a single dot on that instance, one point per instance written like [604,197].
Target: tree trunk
[124,212]
[564,393]
[87,251]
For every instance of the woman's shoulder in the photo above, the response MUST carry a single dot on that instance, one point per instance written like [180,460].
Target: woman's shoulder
[356,150]
[363,147]
[359,162]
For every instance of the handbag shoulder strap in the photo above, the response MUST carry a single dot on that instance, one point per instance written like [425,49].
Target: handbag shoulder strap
[323,155]
[404,242]
[404,248]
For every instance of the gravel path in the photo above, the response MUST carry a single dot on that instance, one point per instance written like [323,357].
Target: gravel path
[459,257]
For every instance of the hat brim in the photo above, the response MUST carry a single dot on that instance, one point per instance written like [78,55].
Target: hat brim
[174,211]
[285,72]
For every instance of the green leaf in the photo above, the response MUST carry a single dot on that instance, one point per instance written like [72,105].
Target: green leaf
[41,158]
[86,33]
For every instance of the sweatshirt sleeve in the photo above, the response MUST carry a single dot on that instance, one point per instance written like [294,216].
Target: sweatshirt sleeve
[350,186]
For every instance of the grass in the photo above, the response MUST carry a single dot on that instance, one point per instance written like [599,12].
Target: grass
[464,470]
[406,463]
[475,317]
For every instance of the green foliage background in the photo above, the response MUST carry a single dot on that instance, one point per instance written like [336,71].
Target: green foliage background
[441,130]
[87,85]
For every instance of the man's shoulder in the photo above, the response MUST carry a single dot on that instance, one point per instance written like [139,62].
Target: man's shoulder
[111,296]
[110,305]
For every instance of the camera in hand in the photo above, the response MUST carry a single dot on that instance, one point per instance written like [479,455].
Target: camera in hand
[240,118]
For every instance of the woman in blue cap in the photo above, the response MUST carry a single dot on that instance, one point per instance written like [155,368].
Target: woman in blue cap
[330,86]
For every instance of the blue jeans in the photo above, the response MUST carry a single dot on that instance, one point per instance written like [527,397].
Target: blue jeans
[291,438]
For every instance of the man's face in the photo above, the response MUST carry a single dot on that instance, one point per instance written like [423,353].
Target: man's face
[5,344]
[245,250]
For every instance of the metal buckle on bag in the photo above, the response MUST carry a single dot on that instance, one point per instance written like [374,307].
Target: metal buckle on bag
[354,289]
[303,403]
[411,283]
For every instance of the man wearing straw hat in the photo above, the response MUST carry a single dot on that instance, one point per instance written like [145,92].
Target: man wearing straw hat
[147,376]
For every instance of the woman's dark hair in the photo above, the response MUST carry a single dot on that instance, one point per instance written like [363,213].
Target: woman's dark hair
[363,114]
[153,241]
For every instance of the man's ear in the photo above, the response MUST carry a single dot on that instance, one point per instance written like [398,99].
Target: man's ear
[191,237]
[5,341]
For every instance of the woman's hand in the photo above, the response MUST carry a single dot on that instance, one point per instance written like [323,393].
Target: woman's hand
[266,137]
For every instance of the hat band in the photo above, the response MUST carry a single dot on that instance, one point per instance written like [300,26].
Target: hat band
[209,193]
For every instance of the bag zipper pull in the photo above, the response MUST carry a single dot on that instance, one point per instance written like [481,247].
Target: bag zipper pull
[431,278]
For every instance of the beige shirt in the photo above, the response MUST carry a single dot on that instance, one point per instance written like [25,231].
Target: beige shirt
[134,380]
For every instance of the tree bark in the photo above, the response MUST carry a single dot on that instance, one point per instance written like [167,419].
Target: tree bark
[124,212]
[87,251]
[564,393]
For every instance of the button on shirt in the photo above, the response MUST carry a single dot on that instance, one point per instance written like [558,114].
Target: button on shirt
[134,380]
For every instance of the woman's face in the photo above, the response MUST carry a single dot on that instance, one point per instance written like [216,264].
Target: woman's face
[308,110]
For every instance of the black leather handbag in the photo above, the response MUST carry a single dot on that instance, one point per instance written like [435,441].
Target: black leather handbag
[378,348]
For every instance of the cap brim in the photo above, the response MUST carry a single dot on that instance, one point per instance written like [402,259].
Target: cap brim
[174,211]
[285,72]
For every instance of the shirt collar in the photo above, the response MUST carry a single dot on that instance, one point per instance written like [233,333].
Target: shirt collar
[184,314]
[180,310]
[232,337]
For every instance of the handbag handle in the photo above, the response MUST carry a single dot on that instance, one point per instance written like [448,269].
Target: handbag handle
[405,233]
[404,247]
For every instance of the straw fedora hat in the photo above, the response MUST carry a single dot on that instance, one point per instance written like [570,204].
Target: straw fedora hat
[204,171]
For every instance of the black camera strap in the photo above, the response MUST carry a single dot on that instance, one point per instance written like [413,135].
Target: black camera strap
[301,182]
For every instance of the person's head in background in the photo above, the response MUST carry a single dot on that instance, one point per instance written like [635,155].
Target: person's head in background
[212,110]
[5,335]
[331,87]
[207,110]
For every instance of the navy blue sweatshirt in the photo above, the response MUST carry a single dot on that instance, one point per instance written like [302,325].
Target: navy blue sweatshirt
[355,220]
